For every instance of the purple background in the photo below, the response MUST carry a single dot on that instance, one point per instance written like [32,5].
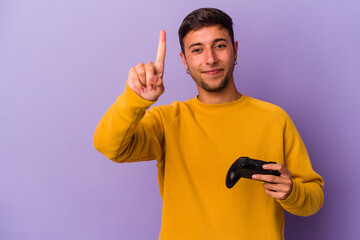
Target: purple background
[63,63]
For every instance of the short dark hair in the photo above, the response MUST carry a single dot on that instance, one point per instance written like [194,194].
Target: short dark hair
[204,17]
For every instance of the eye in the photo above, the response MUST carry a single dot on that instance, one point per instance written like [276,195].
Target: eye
[196,50]
[220,46]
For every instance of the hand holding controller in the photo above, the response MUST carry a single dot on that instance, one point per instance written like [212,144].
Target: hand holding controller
[246,167]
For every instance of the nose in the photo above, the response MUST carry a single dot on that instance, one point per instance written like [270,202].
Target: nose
[211,57]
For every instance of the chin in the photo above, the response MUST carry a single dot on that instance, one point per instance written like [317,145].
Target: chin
[214,90]
[217,88]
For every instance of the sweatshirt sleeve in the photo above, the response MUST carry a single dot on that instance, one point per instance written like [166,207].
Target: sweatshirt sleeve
[128,132]
[306,197]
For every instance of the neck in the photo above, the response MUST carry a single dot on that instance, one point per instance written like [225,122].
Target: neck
[227,94]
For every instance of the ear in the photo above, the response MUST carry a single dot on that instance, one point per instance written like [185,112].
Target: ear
[235,49]
[183,58]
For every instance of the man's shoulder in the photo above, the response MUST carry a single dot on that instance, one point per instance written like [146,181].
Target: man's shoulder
[265,107]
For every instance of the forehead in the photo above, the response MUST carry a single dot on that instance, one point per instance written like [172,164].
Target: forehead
[206,35]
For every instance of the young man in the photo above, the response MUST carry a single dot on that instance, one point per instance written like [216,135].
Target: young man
[196,141]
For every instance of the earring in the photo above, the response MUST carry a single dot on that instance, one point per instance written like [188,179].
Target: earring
[235,62]
[187,71]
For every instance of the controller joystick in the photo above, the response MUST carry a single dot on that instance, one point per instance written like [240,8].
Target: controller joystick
[246,167]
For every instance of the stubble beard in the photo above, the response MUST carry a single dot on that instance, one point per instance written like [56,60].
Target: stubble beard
[205,86]
[208,88]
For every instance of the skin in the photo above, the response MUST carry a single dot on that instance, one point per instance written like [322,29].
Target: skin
[209,55]
[276,187]
[146,79]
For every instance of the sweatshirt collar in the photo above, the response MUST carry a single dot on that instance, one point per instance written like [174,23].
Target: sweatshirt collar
[220,107]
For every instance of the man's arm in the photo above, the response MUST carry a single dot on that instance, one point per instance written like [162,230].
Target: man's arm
[299,188]
[127,132]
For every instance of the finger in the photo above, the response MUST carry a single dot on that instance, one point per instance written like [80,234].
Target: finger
[282,190]
[141,73]
[150,73]
[134,82]
[277,195]
[281,168]
[267,178]
[273,166]
[277,187]
[160,57]
[157,82]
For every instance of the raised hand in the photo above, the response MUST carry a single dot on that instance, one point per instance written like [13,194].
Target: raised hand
[146,80]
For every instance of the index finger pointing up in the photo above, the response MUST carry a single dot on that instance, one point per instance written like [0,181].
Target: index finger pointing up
[160,58]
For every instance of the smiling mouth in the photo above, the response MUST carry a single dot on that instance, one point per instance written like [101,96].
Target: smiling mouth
[212,71]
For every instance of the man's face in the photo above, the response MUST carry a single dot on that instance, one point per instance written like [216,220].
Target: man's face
[210,56]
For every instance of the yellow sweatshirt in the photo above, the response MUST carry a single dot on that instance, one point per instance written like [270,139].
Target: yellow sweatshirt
[194,145]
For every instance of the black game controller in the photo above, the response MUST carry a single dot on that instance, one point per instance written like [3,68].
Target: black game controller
[246,167]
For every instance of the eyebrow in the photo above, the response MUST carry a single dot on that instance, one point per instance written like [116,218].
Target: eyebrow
[200,44]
